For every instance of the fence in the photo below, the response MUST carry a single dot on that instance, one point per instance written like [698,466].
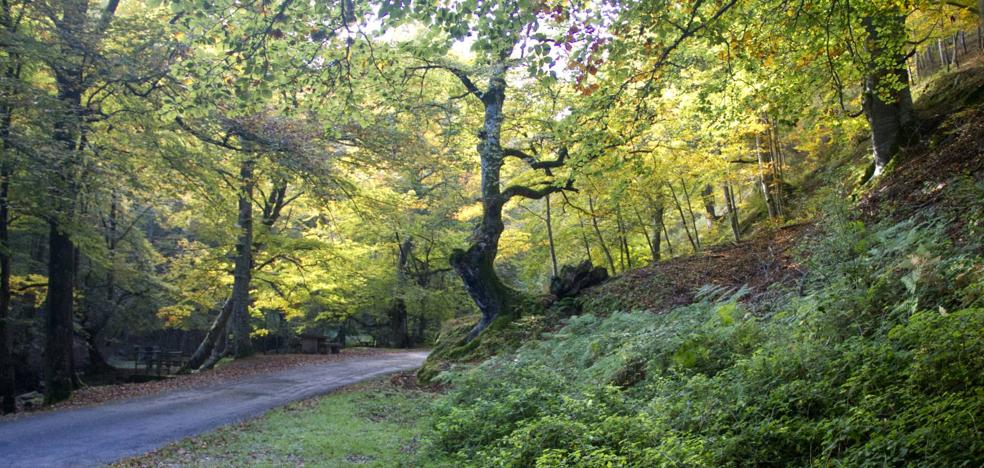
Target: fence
[945,53]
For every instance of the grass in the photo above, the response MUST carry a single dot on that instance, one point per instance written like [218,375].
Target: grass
[376,423]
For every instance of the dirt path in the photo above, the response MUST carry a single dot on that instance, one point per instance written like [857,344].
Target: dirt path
[102,434]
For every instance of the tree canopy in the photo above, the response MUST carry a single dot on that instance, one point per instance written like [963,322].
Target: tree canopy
[251,170]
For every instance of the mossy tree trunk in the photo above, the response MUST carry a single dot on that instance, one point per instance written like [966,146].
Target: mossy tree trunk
[476,264]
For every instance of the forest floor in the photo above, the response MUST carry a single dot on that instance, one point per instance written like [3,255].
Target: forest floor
[108,432]
[381,422]
[754,263]
[225,371]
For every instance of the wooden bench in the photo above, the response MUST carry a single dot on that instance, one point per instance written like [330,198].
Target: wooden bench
[156,360]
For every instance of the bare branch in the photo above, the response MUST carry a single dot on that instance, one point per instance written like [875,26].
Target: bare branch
[535,194]
[533,162]
[224,143]
[457,72]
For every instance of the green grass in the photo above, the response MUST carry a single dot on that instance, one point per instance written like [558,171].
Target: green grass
[370,424]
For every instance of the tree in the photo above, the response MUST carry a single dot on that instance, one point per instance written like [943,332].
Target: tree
[10,74]
[499,31]
[75,42]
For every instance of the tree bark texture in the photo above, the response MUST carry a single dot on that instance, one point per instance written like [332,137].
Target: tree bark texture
[58,319]
[7,384]
[243,269]
[887,98]
[475,265]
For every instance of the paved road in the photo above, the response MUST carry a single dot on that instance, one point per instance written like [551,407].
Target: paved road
[102,434]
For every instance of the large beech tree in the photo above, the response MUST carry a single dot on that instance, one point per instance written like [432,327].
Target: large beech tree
[511,37]
[499,30]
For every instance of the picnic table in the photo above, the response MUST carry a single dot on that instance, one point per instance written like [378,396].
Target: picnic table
[318,344]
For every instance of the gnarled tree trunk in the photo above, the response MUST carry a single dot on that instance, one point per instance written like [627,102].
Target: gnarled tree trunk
[475,265]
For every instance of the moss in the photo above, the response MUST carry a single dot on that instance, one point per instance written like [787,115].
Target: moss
[525,321]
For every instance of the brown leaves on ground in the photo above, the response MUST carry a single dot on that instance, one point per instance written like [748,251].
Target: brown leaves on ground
[755,263]
[230,371]
[928,175]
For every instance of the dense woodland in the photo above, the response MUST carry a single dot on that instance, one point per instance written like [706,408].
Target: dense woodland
[233,174]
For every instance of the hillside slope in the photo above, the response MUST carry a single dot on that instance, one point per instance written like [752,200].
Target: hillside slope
[858,339]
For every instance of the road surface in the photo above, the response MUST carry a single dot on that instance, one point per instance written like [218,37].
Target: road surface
[102,434]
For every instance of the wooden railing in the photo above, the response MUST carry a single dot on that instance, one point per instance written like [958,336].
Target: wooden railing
[945,53]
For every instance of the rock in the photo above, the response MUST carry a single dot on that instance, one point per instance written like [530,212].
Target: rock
[573,279]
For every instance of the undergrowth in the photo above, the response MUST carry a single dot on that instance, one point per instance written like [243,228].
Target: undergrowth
[876,359]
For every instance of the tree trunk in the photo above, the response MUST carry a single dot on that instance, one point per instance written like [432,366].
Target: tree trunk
[58,319]
[657,227]
[601,239]
[67,134]
[7,384]
[765,180]
[683,218]
[59,365]
[729,199]
[666,234]
[475,265]
[208,343]
[584,238]
[220,350]
[419,331]
[243,270]
[889,111]
[980,18]
[623,239]
[956,58]
[11,74]
[399,326]
[653,249]
[342,335]
[690,209]
[550,239]
[707,197]
[775,151]
[943,59]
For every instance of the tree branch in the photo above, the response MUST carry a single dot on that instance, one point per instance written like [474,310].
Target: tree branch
[535,194]
[457,72]
[224,143]
[107,15]
[533,162]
